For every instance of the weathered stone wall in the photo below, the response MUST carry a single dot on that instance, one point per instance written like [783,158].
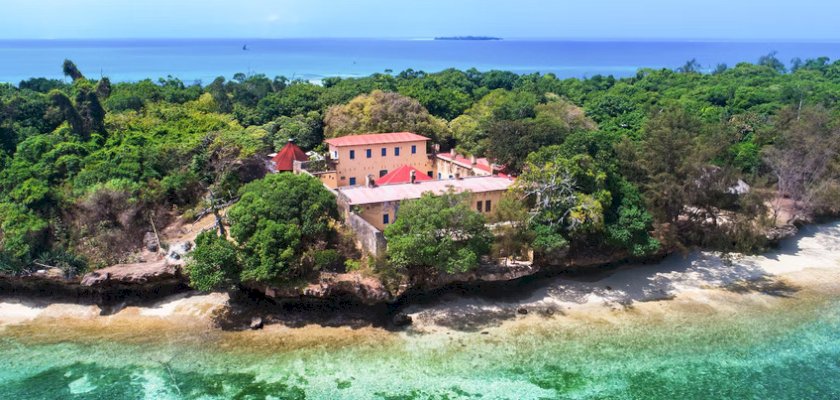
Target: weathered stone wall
[367,236]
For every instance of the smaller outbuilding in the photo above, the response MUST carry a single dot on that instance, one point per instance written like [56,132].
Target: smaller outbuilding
[285,158]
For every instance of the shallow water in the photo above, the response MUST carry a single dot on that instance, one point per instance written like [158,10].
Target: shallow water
[743,341]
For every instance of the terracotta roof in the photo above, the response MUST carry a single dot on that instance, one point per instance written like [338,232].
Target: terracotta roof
[286,157]
[375,138]
[369,195]
[480,163]
[403,175]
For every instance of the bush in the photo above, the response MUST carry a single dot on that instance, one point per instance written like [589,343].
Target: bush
[214,264]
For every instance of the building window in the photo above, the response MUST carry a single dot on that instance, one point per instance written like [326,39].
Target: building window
[413,149]
[383,172]
[386,219]
[352,181]
[478,205]
[440,176]
[384,152]
[397,151]
[368,153]
[430,174]
[352,154]
[487,206]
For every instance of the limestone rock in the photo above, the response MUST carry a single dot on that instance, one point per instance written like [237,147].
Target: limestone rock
[133,274]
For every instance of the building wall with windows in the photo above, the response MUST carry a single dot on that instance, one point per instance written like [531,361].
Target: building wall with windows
[380,205]
[451,165]
[376,156]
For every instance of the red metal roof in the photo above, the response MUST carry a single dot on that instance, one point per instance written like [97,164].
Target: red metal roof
[375,138]
[285,158]
[356,195]
[403,175]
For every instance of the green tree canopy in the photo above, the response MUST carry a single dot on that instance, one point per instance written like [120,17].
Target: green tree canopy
[383,112]
[437,234]
[281,222]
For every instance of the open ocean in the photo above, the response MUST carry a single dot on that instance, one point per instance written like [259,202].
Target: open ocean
[312,59]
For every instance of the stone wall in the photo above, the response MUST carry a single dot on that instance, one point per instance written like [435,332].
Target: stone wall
[368,238]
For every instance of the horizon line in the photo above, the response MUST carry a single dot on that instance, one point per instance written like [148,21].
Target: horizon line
[432,38]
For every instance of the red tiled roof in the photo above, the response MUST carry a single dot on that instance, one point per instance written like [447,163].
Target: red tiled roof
[403,175]
[286,157]
[375,138]
[480,163]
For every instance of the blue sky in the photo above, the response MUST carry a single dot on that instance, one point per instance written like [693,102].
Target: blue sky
[572,19]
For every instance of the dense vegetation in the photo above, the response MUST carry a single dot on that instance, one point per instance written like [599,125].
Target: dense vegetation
[632,165]
[437,233]
[284,226]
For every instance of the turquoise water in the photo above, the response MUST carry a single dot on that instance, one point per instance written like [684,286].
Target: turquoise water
[313,59]
[770,357]
[777,341]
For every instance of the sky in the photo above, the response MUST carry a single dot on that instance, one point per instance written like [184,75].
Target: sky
[564,19]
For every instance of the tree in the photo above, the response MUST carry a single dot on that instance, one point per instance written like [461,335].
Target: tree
[437,234]
[664,161]
[568,194]
[804,157]
[69,68]
[380,112]
[306,130]
[772,62]
[629,225]
[281,223]
[214,263]
[513,236]
[690,67]
[509,142]
[220,96]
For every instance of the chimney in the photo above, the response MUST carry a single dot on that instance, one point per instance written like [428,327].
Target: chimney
[436,148]
[472,160]
[452,152]
[413,176]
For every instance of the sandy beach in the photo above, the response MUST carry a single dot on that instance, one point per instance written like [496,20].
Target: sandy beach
[805,266]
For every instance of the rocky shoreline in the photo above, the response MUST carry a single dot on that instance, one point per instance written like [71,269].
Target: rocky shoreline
[331,299]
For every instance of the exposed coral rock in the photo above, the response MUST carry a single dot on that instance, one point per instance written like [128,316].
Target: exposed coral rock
[355,287]
[776,234]
[133,274]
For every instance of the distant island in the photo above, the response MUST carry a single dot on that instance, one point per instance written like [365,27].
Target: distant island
[467,38]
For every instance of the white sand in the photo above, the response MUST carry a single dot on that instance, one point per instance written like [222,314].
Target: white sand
[194,306]
[813,257]
[197,307]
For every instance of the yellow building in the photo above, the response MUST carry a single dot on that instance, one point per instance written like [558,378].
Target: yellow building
[379,205]
[355,158]
[452,165]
